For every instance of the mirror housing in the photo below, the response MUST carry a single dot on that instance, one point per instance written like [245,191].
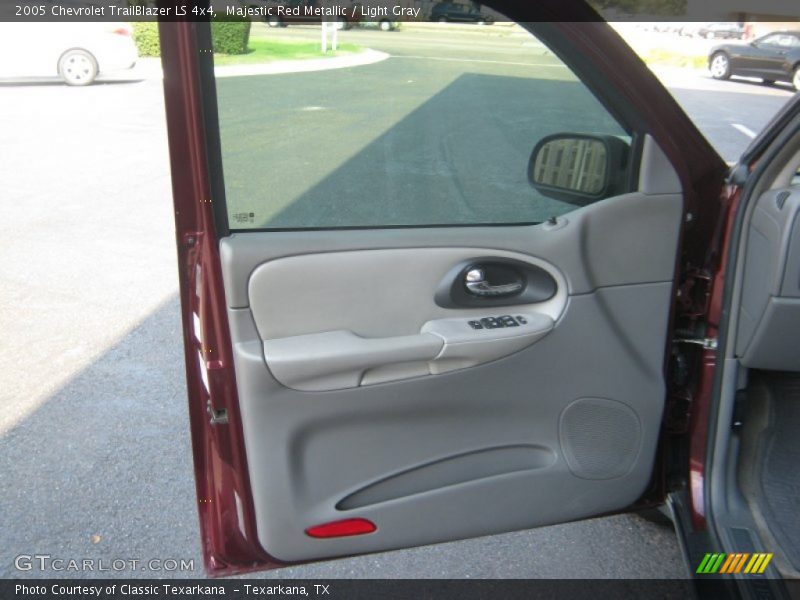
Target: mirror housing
[578,168]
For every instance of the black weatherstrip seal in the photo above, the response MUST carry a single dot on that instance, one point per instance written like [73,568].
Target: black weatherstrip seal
[208,95]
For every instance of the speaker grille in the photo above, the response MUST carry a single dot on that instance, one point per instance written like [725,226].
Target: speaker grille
[599,438]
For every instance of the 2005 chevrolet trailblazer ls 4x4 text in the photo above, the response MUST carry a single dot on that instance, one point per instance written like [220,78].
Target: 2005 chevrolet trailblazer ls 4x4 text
[524,293]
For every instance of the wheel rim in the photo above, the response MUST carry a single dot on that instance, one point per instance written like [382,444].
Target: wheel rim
[719,66]
[385,25]
[78,68]
[796,79]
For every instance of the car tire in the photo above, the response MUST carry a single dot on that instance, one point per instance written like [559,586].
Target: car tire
[77,67]
[385,25]
[796,78]
[481,21]
[720,66]
[274,22]
[442,19]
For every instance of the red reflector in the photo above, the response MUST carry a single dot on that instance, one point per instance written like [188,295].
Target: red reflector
[342,528]
[122,31]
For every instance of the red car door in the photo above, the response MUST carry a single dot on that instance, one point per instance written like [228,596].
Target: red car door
[404,322]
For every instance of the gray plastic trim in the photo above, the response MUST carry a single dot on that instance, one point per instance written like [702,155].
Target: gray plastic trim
[769,313]
[656,174]
[372,293]
[472,466]
[337,359]
[341,359]
[465,347]
[775,343]
[618,241]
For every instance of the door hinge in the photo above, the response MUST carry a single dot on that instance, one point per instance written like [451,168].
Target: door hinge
[218,417]
[705,343]
[192,238]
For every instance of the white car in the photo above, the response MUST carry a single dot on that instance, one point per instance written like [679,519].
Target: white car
[75,52]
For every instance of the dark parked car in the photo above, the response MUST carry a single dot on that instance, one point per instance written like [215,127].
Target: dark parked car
[453,11]
[726,31]
[774,57]
[281,13]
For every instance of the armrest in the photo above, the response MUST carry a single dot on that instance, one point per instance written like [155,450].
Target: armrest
[341,359]
[338,359]
[466,347]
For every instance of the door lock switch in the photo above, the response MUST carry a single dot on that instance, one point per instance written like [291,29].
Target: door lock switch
[475,324]
[491,323]
[509,321]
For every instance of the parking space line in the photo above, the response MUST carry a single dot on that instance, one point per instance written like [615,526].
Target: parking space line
[745,130]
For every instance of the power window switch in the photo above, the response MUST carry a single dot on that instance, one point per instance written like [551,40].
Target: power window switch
[509,321]
[475,324]
[491,323]
[522,320]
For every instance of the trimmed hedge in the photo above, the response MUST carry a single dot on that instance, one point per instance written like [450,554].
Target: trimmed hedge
[146,37]
[228,37]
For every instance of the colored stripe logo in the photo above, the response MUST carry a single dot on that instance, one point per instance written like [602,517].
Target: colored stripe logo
[736,562]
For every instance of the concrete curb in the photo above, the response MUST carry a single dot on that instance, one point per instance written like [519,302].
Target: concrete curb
[150,68]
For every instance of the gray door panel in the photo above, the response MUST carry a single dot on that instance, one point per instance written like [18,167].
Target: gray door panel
[310,451]
[563,427]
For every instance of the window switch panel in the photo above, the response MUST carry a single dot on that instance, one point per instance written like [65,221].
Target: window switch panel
[498,322]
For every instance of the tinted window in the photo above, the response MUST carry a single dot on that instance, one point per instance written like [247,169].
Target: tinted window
[438,133]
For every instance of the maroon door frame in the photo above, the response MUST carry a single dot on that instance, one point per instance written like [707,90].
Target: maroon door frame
[227,520]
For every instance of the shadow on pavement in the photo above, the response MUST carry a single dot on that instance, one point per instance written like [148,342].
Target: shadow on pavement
[783,86]
[107,455]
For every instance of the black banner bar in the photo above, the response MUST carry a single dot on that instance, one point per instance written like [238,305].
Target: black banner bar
[396,10]
[366,589]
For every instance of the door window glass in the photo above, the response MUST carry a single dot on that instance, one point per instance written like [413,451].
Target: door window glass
[429,126]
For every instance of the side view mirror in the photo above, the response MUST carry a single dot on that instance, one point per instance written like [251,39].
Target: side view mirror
[578,168]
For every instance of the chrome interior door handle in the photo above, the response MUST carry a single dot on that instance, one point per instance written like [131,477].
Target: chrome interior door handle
[476,284]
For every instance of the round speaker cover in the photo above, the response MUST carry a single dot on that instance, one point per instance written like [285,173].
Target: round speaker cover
[599,438]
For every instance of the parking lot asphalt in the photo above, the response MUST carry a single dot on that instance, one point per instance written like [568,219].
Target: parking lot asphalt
[94,447]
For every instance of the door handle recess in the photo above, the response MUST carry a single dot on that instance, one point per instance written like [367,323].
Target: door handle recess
[494,281]
[477,285]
